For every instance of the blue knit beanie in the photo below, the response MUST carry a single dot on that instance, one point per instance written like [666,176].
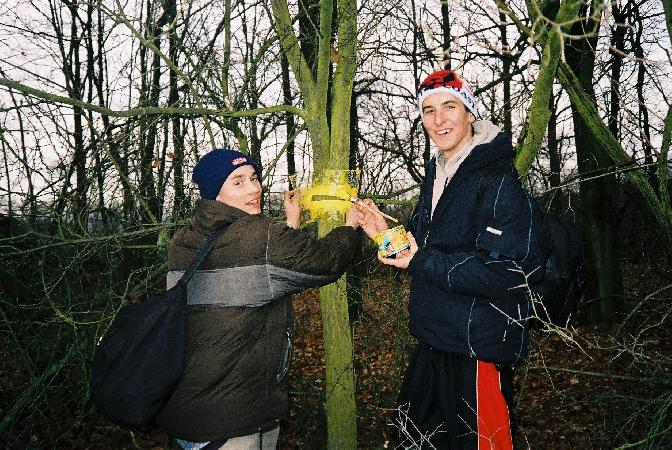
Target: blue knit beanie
[214,168]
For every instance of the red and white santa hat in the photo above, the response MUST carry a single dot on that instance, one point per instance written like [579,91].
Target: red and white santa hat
[448,81]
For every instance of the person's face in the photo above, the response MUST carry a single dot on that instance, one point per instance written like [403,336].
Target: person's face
[242,190]
[447,121]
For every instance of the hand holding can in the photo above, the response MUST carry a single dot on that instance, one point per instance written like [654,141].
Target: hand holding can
[392,241]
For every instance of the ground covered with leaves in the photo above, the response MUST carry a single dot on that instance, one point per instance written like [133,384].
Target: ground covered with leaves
[583,387]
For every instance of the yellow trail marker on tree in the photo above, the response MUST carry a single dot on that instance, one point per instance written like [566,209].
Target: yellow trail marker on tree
[333,193]
[330,193]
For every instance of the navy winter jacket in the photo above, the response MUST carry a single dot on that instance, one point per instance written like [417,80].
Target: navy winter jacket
[479,252]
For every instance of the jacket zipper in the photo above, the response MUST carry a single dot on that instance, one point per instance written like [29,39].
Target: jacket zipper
[287,354]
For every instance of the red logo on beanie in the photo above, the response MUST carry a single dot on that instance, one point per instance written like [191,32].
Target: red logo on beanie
[441,78]
[239,161]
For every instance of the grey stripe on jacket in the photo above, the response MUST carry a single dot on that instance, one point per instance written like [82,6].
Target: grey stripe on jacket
[251,286]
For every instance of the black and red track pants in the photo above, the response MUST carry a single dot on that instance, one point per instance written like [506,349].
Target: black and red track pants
[451,401]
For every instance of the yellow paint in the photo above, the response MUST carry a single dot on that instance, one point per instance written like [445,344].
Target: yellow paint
[332,183]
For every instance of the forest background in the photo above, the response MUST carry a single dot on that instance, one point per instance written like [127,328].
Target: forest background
[106,106]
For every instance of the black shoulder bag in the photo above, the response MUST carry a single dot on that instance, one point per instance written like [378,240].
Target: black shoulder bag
[139,361]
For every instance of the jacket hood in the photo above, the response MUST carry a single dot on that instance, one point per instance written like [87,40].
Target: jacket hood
[492,146]
[210,214]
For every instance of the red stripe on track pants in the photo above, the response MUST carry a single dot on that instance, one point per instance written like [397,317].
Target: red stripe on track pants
[494,431]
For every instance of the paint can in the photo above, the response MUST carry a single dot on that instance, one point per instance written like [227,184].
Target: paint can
[392,241]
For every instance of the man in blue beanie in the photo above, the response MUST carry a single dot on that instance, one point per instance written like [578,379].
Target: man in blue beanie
[233,392]
[215,167]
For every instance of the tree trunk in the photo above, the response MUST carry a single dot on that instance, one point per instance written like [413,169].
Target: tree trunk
[597,193]
[113,147]
[73,83]
[289,117]
[329,136]
[93,140]
[445,29]
[356,272]
[555,159]
[31,199]
[538,113]
[506,75]
[663,170]
[179,200]
[151,64]
[341,407]
[309,32]
[76,91]
[643,112]
[10,207]
[617,42]
[338,354]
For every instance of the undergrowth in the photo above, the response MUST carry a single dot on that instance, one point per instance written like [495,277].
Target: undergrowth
[599,388]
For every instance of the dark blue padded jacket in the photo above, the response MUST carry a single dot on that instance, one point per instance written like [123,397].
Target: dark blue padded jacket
[479,253]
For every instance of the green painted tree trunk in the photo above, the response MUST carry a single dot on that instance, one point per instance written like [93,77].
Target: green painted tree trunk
[538,113]
[338,355]
[327,118]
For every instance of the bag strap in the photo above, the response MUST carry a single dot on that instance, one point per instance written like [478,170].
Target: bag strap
[200,256]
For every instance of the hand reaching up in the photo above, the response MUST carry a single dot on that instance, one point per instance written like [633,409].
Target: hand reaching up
[353,217]
[293,208]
